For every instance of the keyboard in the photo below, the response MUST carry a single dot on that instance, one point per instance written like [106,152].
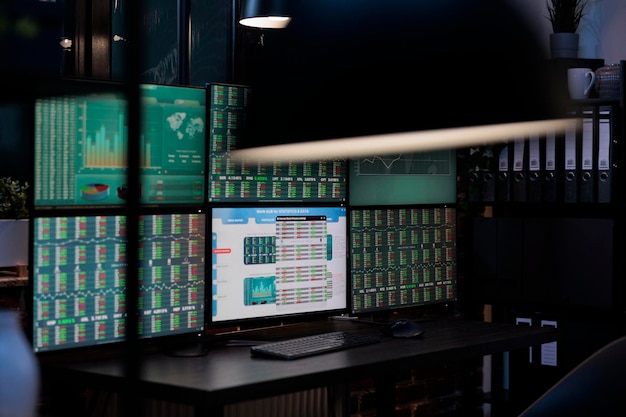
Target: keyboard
[300,347]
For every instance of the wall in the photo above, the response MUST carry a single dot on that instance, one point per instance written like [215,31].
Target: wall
[602,30]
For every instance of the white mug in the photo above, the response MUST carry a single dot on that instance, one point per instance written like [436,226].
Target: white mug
[580,81]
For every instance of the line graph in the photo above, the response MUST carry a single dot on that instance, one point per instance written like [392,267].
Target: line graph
[423,163]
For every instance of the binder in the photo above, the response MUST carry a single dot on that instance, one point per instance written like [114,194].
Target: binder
[482,172]
[488,175]
[474,186]
[534,193]
[503,179]
[488,191]
[570,177]
[550,168]
[528,321]
[605,151]
[587,176]
[519,170]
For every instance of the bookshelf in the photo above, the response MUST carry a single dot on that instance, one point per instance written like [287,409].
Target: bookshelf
[552,253]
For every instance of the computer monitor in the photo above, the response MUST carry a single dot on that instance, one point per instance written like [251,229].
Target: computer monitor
[81,141]
[80,271]
[269,262]
[408,178]
[233,181]
[401,257]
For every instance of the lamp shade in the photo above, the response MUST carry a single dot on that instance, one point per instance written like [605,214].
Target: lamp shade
[264,14]
[354,68]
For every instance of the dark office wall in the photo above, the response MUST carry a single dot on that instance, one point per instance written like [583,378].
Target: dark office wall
[15,148]
[212,39]
[185,42]
[163,46]
[27,26]
[360,67]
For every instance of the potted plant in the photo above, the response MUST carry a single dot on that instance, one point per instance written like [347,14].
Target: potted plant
[13,199]
[565,16]
[13,222]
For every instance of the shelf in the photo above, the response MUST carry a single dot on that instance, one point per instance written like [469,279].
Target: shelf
[8,281]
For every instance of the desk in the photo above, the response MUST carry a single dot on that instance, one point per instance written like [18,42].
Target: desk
[229,374]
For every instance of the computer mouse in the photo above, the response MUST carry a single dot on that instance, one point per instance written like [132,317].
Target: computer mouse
[403,328]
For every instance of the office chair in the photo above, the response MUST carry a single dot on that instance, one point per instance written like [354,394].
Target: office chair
[596,387]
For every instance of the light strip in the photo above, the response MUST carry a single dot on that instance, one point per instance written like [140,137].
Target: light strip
[416,141]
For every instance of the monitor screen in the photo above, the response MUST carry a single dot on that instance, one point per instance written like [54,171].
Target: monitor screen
[80,271]
[81,148]
[411,178]
[278,261]
[402,257]
[235,181]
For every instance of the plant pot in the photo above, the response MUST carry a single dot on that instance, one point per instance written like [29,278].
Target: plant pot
[13,242]
[564,45]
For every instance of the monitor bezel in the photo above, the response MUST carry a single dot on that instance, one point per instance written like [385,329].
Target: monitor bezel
[386,313]
[305,201]
[90,88]
[158,342]
[272,320]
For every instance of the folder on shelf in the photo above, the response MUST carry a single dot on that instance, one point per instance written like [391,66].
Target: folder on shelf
[587,187]
[519,170]
[488,191]
[534,193]
[473,187]
[475,177]
[605,153]
[550,173]
[488,175]
[527,321]
[570,177]
[473,181]
[503,179]
[481,185]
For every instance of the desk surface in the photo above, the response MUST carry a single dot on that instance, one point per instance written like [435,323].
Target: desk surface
[225,373]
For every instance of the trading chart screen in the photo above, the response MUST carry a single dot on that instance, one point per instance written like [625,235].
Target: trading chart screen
[80,273]
[402,257]
[81,146]
[411,178]
[238,181]
[278,261]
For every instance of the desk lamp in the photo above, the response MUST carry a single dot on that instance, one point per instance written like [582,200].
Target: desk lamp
[265,14]
[361,77]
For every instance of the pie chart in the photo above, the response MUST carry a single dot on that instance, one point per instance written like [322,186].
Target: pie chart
[93,192]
